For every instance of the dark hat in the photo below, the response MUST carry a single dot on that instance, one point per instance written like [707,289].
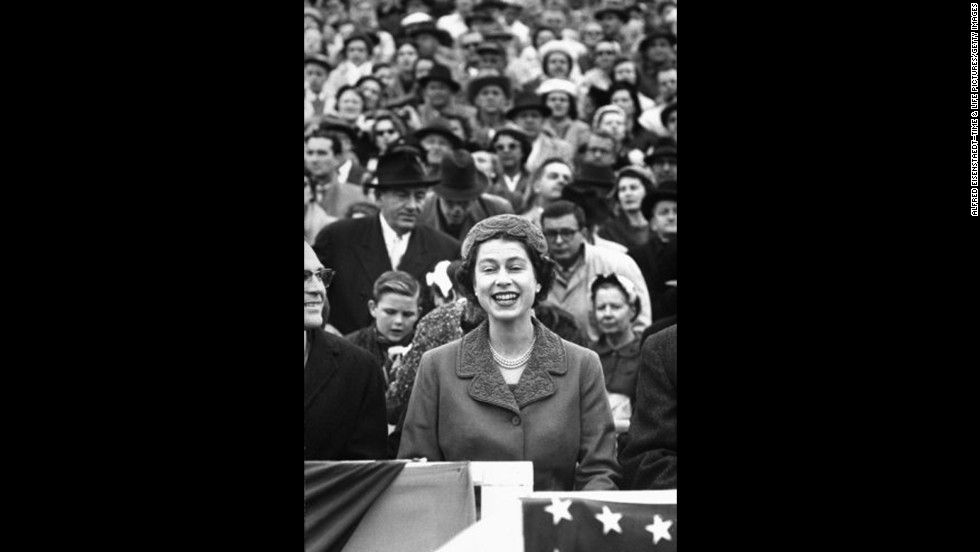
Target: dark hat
[441,128]
[401,169]
[460,179]
[479,83]
[592,200]
[478,16]
[671,107]
[528,100]
[621,13]
[637,171]
[369,40]
[662,152]
[319,59]
[648,40]
[666,190]
[314,13]
[600,177]
[498,36]
[440,73]
[488,47]
[429,27]
[333,124]
[487,5]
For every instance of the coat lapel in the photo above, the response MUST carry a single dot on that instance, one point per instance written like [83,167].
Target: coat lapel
[475,361]
[321,366]
[372,251]
[416,255]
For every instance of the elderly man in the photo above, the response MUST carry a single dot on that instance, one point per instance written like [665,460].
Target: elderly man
[564,226]
[459,201]
[343,388]
[362,249]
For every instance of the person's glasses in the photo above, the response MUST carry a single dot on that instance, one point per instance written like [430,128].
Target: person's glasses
[505,147]
[565,233]
[598,151]
[387,131]
[320,152]
[325,275]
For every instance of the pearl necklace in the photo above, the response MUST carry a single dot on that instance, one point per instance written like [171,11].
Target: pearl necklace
[517,362]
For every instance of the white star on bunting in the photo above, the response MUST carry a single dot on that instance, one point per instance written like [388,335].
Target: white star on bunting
[660,529]
[559,509]
[610,521]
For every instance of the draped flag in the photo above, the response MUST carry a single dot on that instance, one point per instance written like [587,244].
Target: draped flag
[337,496]
[567,524]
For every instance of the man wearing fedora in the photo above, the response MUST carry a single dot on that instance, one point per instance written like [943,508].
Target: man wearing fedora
[438,89]
[362,249]
[460,200]
[529,113]
[663,162]
[657,258]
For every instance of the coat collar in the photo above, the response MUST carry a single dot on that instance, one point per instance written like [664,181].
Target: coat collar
[536,383]
[321,366]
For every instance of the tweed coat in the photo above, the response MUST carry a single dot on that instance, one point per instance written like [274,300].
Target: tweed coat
[356,249]
[344,402]
[650,455]
[558,415]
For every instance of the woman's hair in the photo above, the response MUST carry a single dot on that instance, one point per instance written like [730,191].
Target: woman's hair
[572,104]
[353,89]
[517,135]
[396,281]
[512,228]
[366,78]
[641,173]
[634,97]
[539,30]
[623,284]
[385,115]
[363,38]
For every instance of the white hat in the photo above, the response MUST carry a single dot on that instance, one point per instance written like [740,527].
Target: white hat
[414,18]
[557,85]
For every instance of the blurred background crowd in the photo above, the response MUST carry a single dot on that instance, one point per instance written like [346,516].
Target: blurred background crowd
[561,111]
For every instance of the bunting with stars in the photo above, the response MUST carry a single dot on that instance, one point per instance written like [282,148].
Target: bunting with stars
[568,524]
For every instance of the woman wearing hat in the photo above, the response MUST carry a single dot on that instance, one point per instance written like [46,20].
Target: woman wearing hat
[628,225]
[512,390]
[559,95]
[615,305]
[557,62]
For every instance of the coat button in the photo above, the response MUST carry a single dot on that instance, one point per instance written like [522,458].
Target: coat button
[516,420]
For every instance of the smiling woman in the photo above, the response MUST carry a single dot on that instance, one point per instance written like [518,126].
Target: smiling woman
[511,389]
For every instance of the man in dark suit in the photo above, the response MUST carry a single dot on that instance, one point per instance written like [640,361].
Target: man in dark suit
[362,249]
[657,258]
[649,459]
[343,389]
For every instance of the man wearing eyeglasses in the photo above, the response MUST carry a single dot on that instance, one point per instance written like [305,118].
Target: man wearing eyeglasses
[364,248]
[567,232]
[343,388]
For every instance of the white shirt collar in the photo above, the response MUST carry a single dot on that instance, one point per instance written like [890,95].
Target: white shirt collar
[395,244]
[343,171]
